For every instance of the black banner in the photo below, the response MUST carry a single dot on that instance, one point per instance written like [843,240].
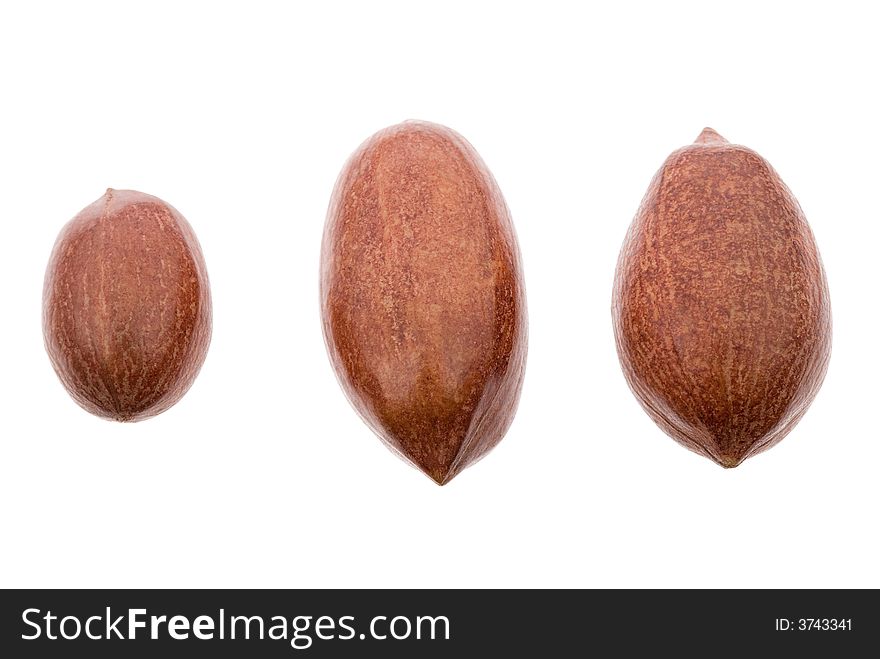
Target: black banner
[437,623]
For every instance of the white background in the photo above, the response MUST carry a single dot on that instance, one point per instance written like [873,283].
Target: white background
[241,116]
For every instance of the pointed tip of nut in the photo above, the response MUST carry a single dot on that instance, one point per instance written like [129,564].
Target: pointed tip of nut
[729,461]
[710,136]
[440,476]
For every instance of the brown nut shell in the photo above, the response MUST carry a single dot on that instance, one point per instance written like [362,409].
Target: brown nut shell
[422,297]
[721,309]
[127,306]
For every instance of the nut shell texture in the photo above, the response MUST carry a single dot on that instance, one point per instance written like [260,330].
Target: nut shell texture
[127,306]
[721,309]
[422,297]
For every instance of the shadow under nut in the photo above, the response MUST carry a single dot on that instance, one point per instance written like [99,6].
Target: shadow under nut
[422,297]
[127,306]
